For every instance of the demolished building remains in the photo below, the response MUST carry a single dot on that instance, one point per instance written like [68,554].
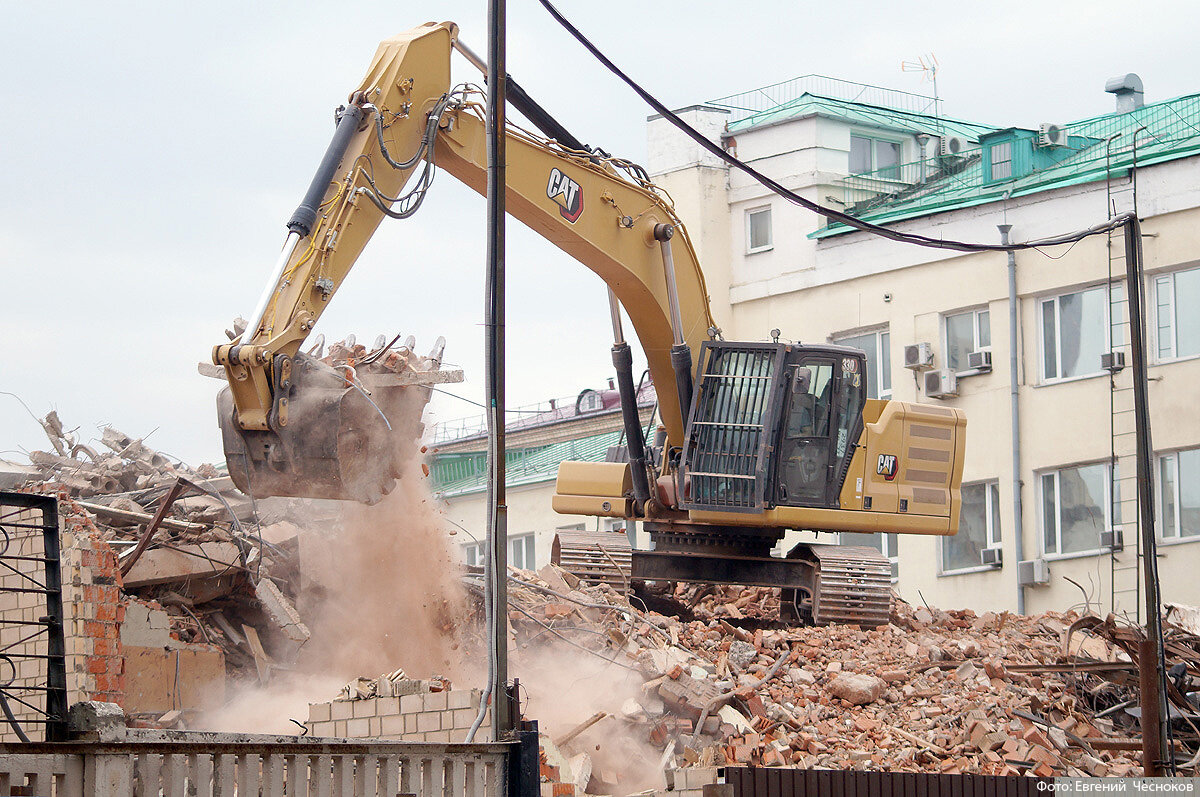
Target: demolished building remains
[182,590]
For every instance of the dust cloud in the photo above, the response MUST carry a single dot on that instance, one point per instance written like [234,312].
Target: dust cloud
[380,592]
[562,687]
[392,597]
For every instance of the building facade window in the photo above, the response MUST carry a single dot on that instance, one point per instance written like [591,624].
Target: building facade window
[1179,494]
[588,401]
[978,528]
[1178,332]
[1001,160]
[521,553]
[1076,508]
[965,333]
[758,230]
[877,346]
[875,155]
[1076,331]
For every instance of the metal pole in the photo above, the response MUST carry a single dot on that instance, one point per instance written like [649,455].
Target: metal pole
[502,715]
[1153,675]
[1014,356]
[56,647]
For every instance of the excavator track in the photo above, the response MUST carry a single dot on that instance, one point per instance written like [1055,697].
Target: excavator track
[852,585]
[594,557]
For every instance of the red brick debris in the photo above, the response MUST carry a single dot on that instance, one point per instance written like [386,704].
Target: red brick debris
[931,691]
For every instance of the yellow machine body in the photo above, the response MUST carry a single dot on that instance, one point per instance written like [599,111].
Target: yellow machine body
[898,465]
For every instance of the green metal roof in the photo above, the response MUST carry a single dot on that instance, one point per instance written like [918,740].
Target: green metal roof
[1102,145]
[462,473]
[809,104]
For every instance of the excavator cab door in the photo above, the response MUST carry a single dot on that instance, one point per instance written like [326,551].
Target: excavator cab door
[822,417]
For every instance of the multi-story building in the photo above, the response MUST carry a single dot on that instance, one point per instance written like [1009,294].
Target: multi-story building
[581,428]
[1055,410]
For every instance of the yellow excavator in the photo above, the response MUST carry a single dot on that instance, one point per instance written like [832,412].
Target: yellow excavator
[756,437]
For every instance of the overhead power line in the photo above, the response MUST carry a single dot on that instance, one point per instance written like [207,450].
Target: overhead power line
[829,213]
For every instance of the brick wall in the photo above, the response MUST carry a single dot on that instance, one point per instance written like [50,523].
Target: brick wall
[93,609]
[92,613]
[427,717]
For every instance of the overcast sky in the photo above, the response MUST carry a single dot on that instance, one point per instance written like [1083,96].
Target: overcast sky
[152,152]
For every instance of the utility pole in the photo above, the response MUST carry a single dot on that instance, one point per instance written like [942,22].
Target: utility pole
[503,721]
[1151,665]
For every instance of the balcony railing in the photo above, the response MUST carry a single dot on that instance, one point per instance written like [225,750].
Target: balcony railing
[543,412]
[226,764]
[518,417]
[748,103]
[861,193]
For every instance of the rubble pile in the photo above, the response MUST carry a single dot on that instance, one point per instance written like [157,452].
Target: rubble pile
[211,562]
[933,691]
[384,358]
[226,568]
[123,467]
[393,684]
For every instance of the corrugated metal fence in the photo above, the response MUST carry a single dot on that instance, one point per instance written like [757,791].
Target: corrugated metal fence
[773,782]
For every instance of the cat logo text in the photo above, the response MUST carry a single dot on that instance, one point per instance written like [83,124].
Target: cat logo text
[567,194]
[887,466]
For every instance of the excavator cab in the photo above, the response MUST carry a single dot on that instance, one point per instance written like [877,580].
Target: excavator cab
[821,416]
[773,424]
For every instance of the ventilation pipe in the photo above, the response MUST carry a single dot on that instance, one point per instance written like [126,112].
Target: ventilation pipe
[1128,90]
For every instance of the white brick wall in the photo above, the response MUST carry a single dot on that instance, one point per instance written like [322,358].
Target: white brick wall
[430,717]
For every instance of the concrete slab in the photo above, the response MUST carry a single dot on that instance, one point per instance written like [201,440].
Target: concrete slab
[208,560]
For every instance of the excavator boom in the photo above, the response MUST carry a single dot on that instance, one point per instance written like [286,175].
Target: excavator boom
[403,120]
[758,438]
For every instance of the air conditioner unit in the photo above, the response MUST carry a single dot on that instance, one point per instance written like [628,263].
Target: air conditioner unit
[941,384]
[1032,572]
[918,357]
[1113,540]
[1051,134]
[979,360]
[1113,361]
[953,146]
[993,557]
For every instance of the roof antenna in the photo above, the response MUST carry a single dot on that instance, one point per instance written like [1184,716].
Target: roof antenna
[927,65]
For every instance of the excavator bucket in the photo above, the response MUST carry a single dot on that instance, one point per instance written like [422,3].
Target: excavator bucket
[339,441]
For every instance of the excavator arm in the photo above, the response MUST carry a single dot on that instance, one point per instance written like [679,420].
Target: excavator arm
[404,120]
[608,224]
[779,436]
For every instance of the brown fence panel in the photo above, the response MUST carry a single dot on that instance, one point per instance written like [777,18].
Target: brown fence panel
[779,782]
